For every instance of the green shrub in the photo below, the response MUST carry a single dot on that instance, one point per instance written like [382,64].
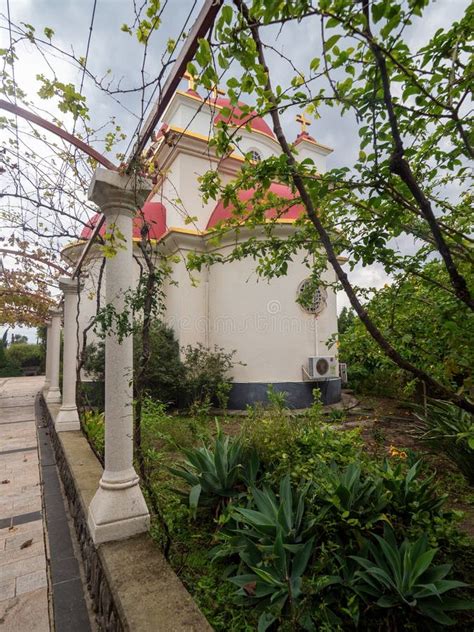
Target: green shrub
[403,577]
[274,542]
[450,429]
[411,497]
[426,325]
[206,379]
[352,500]
[8,368]
[270,515]
[197,381]
[10,371]
[219,473]
[276,399]
[299,444]
[24,354]
[93,424]
[164,373]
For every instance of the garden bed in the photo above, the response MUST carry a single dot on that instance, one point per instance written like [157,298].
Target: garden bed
[365,486]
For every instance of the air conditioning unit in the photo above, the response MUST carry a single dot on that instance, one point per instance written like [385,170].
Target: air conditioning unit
[322,367]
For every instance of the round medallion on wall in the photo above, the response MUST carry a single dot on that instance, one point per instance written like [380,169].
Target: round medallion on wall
[316,302]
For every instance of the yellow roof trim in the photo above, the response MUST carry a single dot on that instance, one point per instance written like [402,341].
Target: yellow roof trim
[184,132]
[313,142]
[185,231]
[189,96]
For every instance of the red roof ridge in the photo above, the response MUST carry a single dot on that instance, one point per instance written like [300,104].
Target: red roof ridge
[237,117]
[304,136]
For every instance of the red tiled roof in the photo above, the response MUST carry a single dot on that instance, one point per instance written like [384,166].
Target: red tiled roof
[295,209]
[153,213]
[238,119]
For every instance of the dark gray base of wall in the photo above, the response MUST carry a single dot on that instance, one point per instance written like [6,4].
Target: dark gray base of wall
[298,394]
[243,394]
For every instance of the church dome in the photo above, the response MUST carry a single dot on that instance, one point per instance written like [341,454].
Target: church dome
[295,209]
[153,213]
[238,119]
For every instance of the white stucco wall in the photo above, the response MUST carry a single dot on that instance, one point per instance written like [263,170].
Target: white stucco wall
[261,319]
[186,305]
[228,305]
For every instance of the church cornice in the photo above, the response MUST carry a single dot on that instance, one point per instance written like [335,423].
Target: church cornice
[178,238]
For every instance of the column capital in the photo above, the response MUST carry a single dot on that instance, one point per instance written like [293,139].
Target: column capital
[67,285]
[54,312]
[115,193]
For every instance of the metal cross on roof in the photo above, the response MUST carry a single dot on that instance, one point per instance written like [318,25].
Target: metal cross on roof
[216,91]
[303,121]
[190,80]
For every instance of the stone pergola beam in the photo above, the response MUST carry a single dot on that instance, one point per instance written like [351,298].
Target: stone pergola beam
[68,418]
[54,349]
[118,509]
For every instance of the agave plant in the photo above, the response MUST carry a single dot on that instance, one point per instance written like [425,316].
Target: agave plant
[449,428]
[411,495]
[274,580]
[353,499]
[274,543]
[404,577]
[218,473]
[284,514]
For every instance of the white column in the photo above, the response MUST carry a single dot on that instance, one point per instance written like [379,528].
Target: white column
[118,509]
[47,380]
[68,418]
[54,394]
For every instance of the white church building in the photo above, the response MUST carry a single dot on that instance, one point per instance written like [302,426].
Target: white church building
[277,340]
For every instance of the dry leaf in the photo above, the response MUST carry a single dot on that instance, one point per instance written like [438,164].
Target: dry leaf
[250,588]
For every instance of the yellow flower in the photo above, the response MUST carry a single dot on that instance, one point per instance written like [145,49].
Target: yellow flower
[395,452]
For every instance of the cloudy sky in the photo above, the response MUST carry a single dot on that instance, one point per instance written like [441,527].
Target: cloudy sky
[117,57]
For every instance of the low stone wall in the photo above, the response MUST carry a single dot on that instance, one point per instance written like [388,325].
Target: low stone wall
[132,586]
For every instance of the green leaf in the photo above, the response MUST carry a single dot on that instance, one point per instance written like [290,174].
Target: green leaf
[329,43]
[194,495]
[227,13]
[265,621]
[301,559]
[267,577]
[421,564]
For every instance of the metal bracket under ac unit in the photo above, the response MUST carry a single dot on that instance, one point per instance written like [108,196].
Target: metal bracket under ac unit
[307,377]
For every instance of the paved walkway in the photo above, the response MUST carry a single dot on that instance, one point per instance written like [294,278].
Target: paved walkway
[24,604]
